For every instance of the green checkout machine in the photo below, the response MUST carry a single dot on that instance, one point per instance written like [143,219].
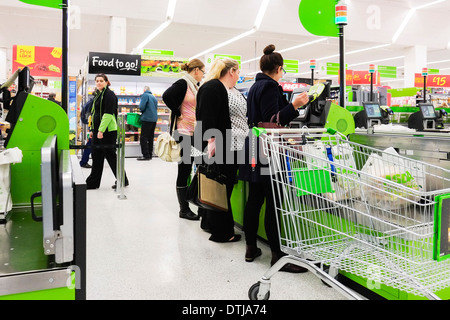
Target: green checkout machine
[323,113]
[42,238]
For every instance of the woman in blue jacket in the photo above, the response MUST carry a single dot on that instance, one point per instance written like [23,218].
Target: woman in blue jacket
[266,100]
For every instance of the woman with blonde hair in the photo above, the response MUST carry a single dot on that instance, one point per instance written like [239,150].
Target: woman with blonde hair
[221,110]
[180,97]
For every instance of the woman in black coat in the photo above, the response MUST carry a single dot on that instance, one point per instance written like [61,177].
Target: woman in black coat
[266,100]
[221,127]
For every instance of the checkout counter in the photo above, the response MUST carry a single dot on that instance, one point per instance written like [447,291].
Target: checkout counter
[43,235]
[423,138]
[430,143]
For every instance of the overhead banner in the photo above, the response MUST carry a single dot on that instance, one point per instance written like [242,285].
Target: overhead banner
[114,63]
[363,77]
[433,80]
[42,61]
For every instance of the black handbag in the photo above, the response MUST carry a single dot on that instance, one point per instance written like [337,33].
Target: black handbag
[208,189]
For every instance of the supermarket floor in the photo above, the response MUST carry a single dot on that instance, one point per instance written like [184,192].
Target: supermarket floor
[138,248]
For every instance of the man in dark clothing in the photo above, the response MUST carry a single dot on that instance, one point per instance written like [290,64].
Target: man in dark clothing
[149,109]
[51,97]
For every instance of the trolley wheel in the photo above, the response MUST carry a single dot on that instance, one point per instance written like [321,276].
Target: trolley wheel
[253,292]
[327,270]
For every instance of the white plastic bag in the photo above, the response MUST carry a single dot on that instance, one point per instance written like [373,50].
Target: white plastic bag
[8,156]
[401,174]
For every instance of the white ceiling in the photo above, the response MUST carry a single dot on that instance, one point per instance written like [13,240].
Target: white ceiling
[200,24]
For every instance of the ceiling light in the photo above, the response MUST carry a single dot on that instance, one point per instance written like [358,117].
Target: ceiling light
[222,44]
[373,61]
[261,13]
[428,4]
[440,61]
[409,16]
[290,48]
[259,17]
[169,17]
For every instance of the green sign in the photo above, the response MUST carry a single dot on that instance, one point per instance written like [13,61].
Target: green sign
[387,72]
[155,52]
[433,71]
[45,3]
[221,56]
[333,68]
[291,66]
[317,17]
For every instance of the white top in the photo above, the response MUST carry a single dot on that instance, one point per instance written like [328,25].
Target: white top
[238,116]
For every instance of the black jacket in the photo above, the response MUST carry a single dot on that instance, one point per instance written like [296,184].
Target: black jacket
[265,99]
[106,104]
[213,112]
[173,97]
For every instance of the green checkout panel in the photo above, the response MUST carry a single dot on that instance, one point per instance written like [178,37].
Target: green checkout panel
[43,225]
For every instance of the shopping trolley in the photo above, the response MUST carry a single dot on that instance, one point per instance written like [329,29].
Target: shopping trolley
[345,206]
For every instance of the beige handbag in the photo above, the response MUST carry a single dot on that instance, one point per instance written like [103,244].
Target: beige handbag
[208,189]
[167,148]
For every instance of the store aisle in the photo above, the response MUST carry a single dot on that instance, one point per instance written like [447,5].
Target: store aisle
[138,248]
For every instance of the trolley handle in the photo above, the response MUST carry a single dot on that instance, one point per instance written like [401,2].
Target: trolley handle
[258,131]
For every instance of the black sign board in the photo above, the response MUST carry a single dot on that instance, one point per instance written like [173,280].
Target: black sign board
[114,63]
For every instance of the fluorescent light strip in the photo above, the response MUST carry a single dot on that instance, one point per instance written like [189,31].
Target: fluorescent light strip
[409,16]
[259,17]
[350,52]
[222,44]
[290,48]
[403,25]
[373,61]
[429,4]
[440,61]
[169,18]
[261,13]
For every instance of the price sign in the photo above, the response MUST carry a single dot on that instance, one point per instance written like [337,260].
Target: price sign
[363,77]
[433,80]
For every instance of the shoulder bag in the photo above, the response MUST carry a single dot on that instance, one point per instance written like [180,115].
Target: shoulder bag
[167,148]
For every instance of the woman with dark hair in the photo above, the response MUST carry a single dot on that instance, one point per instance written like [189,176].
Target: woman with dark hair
[103,131]
[265,99]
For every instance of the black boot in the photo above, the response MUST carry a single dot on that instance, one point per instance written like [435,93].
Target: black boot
[185,211]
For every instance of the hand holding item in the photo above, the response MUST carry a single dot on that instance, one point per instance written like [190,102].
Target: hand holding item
[91,134]
[100,135]
[211,147]
[300,100]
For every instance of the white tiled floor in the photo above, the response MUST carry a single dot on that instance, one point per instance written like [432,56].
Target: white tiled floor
[138,248]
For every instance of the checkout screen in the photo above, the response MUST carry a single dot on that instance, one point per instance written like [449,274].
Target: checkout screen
[428,111]
[373,110]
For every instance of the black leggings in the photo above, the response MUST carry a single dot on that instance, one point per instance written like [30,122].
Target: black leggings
[185,166]
[258,192]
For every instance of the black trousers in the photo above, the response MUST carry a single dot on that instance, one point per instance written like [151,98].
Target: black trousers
[98,158]
[258,192]
[185,165]
[146,139]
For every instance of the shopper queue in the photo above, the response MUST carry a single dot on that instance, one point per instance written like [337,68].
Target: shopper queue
[209,106]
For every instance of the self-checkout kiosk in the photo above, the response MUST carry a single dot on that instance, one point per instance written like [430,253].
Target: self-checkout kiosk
[320,112]
[43,238]
[427,118]
[373,114]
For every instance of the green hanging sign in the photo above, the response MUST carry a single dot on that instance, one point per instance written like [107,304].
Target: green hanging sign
[318,17]
[45,3]
[291,66]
